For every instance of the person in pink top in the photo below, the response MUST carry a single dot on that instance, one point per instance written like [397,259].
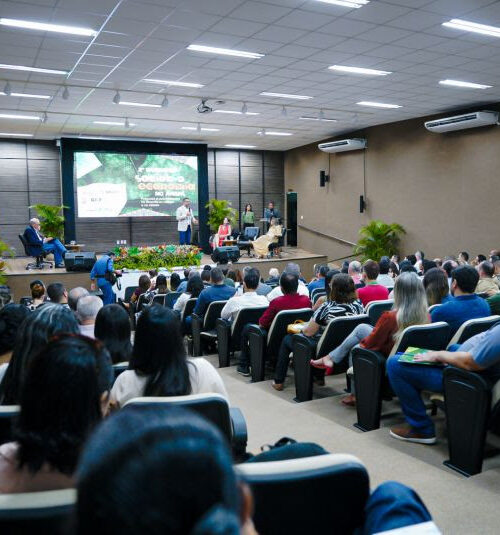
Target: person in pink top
[372,291]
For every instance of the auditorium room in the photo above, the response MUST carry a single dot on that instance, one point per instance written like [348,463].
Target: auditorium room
[249,267]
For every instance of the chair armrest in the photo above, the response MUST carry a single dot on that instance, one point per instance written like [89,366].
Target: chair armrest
[257,330]
[240,432]
[257,340]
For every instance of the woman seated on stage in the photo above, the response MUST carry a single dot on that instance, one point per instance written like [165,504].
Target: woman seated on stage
[223,233]
[261,245]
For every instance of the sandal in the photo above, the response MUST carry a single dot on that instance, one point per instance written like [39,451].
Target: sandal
[320,365]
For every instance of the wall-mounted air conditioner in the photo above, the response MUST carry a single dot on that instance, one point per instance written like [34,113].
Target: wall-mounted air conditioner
[343,145]
[461,122]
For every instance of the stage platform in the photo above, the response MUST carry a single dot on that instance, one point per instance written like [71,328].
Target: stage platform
[18,279]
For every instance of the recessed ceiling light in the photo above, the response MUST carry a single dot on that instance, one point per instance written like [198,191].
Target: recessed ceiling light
[310,118]
[26,95]
[202,129]
[171,82]
[30,69]
[20,117]
[285,95]
[225,51]
[378,104]
[346,3]
[273,133]
[30,25]
[15,135]
[139,104]
[241,146]
[235,112]
[359,70]
[468,85]
[468,26]
[113,123]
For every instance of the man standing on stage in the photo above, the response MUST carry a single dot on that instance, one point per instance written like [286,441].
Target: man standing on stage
[270,212]
[185,218]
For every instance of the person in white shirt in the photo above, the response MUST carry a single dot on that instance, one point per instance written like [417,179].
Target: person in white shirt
[384,278]
[86,313]
[185,219]
[159,366]
[292,269]
[250,298]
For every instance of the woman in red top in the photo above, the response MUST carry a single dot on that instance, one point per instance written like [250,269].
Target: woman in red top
[224,231]
[410,308]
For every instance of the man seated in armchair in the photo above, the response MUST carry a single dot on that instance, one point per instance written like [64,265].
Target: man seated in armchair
[48,244]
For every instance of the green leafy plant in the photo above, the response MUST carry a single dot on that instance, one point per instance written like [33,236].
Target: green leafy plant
[161,256]
[51,220]
[217,211]
[377,239]
[4,249]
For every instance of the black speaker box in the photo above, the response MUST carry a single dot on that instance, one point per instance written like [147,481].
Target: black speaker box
[83,261]
[222,255]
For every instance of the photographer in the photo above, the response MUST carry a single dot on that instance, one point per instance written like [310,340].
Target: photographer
[105,274]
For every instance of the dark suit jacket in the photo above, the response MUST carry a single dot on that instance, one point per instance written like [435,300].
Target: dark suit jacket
[35,245]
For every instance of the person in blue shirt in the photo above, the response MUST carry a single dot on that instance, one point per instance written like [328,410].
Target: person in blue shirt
[36,240]
[101,267]
[465,304]
[319,282]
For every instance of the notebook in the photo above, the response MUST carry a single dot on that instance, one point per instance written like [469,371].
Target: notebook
[409,356]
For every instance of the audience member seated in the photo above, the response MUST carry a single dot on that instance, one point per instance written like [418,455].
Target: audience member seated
[419,263]
[87,309]
[48,244]
[407,266]
[64,395]
[481,353]
[159,367]
[465,304]
[494,303]
[289,300]
[449,265]
[57,294]
[37,289]
[160,288]
[153,273]
[342,301]
[436,286]
[427,265]
[355,272]
[479,259]
[112,328]
[75,294]
[438,262]
[144,287]
[384,278]
[291,269]
[488,283]
[274,276]
[175,282]
[34,333]
[250,298]
[463,258]
[183,285]
[205,277]
[393,271]
[410,308]
[218,291]
[319,280]
[395,260]
[194,288]
[328,282]
[410,258]
[373,291]
[11,318]
[262,288]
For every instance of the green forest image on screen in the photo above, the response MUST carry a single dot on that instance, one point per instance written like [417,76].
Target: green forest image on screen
[110,184]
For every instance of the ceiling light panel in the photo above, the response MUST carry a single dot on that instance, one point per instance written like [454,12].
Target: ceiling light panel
[355,4]
[358,70]
[285,95]
[45,27]
[235,112]
[113,123]
[27,95]
[139,104]
[225,51]
[9,134]
[30,69]
[202,129]
[384,105]
[468,26]
[172,82]
[19,117]
[241,146]
[273,133]
[467,85]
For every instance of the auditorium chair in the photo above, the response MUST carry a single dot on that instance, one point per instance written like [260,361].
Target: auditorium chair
[432,307]
[317,293]
[370,375]
[265,345]
[127,295]
[229,333]
[287,494]
[119,368]
[203,328]
[188,310]
[245,240]
[8,414]
[214,408]
[375,309]
[470,328]
[48,512]
[171,298]
[39,256]
[141,303]
[306,348]
[159,299]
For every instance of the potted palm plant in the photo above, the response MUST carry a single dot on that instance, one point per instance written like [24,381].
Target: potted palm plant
[377,239]
[4,249]
[51,220]
[217,211]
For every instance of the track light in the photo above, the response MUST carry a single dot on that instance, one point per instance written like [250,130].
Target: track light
[127,123]
[283,112]
[7,89]
[164,102]
[65,93]
[321,115]
[117,98]
[244,108]
[44,118]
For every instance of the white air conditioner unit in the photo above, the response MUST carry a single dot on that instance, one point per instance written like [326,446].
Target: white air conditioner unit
[461,122]
[343,145]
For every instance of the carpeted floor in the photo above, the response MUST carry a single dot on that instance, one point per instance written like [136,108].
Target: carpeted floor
[458,504]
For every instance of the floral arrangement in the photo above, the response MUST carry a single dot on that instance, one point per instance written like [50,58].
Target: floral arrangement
[160,256]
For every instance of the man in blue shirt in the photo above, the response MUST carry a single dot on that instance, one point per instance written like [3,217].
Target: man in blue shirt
[465,304]
[101,267]
[481,353]
[37,241]
[319,282]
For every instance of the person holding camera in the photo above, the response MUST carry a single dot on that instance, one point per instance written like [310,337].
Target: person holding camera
[105,274]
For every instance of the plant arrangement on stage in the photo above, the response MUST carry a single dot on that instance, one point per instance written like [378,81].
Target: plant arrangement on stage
[4,250]
[161,256]
[378,239]
[51,220]
[217,211]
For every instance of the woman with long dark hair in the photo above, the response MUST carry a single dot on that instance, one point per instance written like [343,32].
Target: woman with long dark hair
[159,366]
[112,328]
[44,323]
[436,286]
[248,217]
[11,318]
[193,289]
[64,395]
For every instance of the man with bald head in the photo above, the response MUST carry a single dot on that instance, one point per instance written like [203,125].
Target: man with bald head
[48,244]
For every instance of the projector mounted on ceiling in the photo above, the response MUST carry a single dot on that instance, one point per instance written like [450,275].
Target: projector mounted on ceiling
[343,145]
[461,122]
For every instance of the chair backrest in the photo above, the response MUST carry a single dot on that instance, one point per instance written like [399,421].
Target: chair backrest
[8,414]
[429,336]
[159,299]
[281,239]
[472,327]
[171,298]
[129,290]
[316,291]
[243,317]
[188,308]
[433,307]
[251,233]
[37,512]
[119,368]
[375,309]
[337,330]
[141,302]
[278,328]
[26,245]
[282,492]
[212,313]
[213,407]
